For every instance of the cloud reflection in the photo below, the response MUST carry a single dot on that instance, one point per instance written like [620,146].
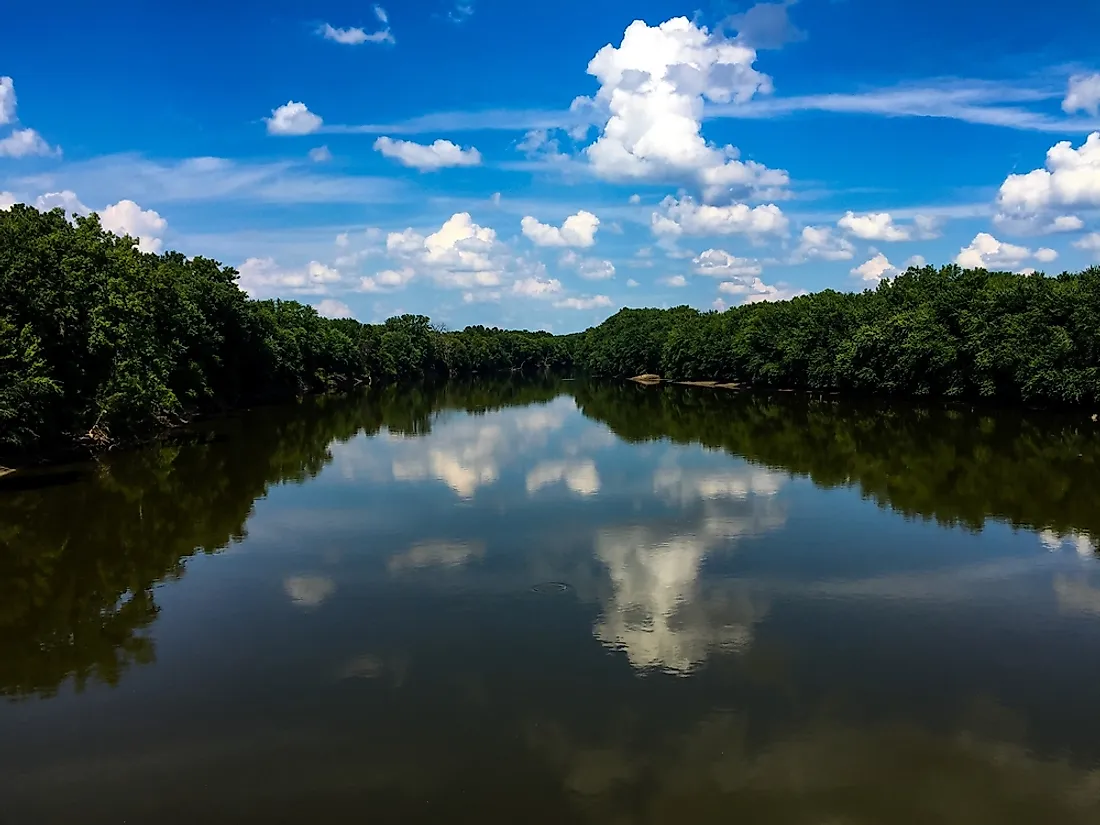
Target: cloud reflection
[579,476]
[309,591]
[437,554]
[659,612]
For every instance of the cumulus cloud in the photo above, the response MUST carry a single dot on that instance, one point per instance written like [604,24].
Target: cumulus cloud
[1065,223]
[686,217]
[591,302]
[7,101]
[387,280]
[917,261]
[331,308]
[537,287]
[986,252]
[321,154]
[875,226]
[438,155]
[1090,243]
[461,254]
[754,290]
[674,281]
[127,218]
[1083,94]
[821,243]
[632,283]
[65,199]
[264,278]
[592,269]
[653,88]
[7,200]
[26,143]
[875,269]
[578,230]
[293,118]
[355,36]
[1071,178]
[717,263]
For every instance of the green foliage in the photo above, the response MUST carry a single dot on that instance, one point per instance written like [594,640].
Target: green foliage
[929,333]
[101,343]
[955,465]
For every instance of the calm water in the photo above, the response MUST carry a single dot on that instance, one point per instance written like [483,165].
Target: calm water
[556,603]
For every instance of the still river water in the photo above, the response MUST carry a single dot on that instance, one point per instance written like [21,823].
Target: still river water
[558,602]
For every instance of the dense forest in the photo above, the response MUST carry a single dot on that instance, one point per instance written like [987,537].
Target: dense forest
[101,343]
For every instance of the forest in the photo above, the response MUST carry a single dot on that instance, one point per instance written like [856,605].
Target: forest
[102,344]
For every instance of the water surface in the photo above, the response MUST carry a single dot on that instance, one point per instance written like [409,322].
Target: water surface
[551,602]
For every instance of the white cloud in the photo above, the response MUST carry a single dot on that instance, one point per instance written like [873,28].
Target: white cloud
[7,200]
[874,226]
[578,230]
[632,283]
[460,254]
[7,101]
[766,26]
[820,242]
[592,302]
[321,154]
[591,269]
[26,143]
[754,291]
[1090,243]
[986,252]
[653,87]
[686,217]
[495,199]
[876,269]
[1071,179]
[355,36]
[537,287]
[331,308]
[917,260]
[387,280]
[66,199]
[538,145]
[263,278]
[635,200]
[675,281]
[717,263]
[1083,94]
[1065,223]
[127,218]
[293,118]
[438,155]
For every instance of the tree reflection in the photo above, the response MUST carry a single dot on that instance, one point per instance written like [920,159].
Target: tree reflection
[956,466]
[79,561]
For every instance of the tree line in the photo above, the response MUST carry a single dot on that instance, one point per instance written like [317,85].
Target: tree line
[947,332]
[101,343]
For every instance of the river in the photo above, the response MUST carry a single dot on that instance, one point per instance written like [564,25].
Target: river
[553,602]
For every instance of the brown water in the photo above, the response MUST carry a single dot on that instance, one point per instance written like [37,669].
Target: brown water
[555,602]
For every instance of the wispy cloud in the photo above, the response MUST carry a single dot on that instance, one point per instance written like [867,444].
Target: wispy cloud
[973,101]
[985,102]
[107,179]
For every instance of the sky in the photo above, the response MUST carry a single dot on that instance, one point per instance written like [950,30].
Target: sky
[542,165]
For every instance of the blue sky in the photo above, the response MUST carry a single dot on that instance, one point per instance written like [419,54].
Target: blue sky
[542,165]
